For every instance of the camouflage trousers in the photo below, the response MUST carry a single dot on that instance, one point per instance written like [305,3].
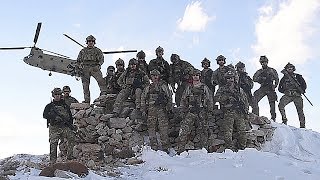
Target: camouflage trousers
[298,102]
[158,119]
[179,93]
[57,133]
[123,96]
[197,121]
[272,98]
[94,71]
[234,122]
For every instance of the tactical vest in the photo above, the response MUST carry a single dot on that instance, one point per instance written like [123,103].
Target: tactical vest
[157,96]
[134,78]
[90,56]
[61,113]
[290,88]
[196,96]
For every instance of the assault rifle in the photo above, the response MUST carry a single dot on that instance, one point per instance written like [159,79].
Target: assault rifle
[296,83]
[64,120]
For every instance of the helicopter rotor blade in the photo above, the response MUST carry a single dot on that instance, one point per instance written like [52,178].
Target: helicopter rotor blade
[113,52]
[73,40]
[56,53]
[13,48]
[37,33]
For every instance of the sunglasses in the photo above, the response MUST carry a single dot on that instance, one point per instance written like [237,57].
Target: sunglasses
[90,41]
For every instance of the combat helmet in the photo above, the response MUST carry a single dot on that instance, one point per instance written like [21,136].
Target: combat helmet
[196,72]
[133,61]
[155,72]
[205,60]
[66,89]
[174,57]
[56,91]
[110,67]
[240,65]
[91,38]
[159,49]
[119,61]
[141,55]
[221,57]
[263,59]
[289,65]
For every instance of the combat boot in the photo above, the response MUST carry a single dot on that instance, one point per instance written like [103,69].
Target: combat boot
[302,125]
[284,121]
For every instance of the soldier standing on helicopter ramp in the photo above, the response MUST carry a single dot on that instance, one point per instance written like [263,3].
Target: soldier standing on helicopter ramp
[90,59]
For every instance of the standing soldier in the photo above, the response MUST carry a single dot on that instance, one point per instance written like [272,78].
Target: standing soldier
[120,69]
[156,102]
[197,102]
[292,85]
[245,82]
[234,104]
[161,65]
[60,123]
[180,76]
[206,74]
[66,96]
[268,78]
[111,80]
[142,64]
[132,82]
[218,75]
[90,60]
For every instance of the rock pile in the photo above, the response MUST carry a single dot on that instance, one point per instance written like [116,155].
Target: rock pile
[104,139]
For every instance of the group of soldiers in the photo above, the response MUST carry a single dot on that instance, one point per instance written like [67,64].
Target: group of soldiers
[151,86]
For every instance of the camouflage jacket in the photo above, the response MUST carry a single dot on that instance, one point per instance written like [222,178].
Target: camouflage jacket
[117,75]
[288,87]
[111,84]
[218,75]
[162,66]
[69,100]
[232,99]
[245,82]
[266,77]
[180,72]
[206,78]
[198,96]
[58,114]
[157,94]
[143,66]
[90,56]
[133,79]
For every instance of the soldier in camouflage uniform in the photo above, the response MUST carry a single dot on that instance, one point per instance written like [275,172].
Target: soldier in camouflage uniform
[206,74]
[66,96]
[180,76]
[90,60]
[196,102]
[132,82]
[292,85]
[142,64]
[234,104]
[156,102]
[111,80]
[120,69]
[60,123]
[161,65]
[245,82]
[269,80]
[218,74]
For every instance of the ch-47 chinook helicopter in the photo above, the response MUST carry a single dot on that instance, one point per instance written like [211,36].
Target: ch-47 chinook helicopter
[55,62]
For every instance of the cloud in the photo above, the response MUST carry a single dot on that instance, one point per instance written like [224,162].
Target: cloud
[194,18]
[283,30]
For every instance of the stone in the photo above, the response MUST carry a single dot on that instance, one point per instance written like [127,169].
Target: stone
[72,166]
[118,123]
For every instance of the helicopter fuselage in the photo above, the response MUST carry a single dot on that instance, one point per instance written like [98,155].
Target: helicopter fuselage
[49,62]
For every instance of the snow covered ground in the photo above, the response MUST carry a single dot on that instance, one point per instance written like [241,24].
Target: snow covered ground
[293,154]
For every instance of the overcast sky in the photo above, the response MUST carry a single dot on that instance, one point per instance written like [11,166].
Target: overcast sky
[283,30]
